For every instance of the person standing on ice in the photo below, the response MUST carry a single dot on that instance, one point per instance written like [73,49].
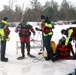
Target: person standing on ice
[24,34]
[4,36]
[47,33]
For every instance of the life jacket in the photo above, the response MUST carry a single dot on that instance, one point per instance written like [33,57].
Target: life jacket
[4,30]
[74,32]
[25,31]
[47,29]
[2,25]
[53,45]
[62,50]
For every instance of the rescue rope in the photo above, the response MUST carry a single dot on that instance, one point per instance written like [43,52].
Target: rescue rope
[40,55]
[35,41]
[38,59]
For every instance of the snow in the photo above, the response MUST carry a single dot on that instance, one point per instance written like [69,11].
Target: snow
[28,66]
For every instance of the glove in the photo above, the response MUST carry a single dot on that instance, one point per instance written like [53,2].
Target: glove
[34,33]
[19,29]
[36,28]
[16,30]
[65,47]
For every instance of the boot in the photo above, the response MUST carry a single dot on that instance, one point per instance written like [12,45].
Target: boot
[21,57]
[46,58]
[49,57]
[4,59]
[52,57]
[74,57]
[32,56]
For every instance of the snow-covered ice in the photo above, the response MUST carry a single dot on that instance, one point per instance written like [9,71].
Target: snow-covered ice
[28,66]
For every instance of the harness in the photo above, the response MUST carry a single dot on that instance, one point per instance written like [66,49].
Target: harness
[4,31]
[25,31]
[47,29]
[74,32]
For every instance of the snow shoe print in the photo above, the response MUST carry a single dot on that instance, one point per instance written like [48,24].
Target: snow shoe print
[32,56]
[20,58]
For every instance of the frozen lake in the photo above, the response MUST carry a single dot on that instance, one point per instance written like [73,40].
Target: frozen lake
[28,66]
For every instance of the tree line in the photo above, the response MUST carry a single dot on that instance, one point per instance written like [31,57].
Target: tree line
[65,11]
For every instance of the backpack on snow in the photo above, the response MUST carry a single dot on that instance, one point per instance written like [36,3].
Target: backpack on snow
[53,45]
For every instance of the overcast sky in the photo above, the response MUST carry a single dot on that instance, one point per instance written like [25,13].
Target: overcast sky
[20,2]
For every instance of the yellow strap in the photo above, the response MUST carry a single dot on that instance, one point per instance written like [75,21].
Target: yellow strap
[66,42]
[69,35]
[2,32]
[5,22]
[50,33]
[48,25]
[4,38]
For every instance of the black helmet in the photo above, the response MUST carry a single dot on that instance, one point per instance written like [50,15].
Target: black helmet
[63,31]
[62,40]
[23,23]
[43,17]
[5,18]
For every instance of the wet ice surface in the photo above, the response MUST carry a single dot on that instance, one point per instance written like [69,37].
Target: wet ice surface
[28,66]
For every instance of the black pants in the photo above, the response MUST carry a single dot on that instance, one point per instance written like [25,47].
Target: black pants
[3,49]
[49,50]
[27,47]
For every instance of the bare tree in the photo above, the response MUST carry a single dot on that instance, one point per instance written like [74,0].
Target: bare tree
[11,3]
[35,4]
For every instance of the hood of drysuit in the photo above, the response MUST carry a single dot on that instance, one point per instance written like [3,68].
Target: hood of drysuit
[23,24]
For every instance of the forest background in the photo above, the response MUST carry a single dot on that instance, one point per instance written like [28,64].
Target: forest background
[66,11]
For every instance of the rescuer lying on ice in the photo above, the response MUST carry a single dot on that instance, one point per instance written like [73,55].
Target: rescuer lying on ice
[65,49]
[62,51]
